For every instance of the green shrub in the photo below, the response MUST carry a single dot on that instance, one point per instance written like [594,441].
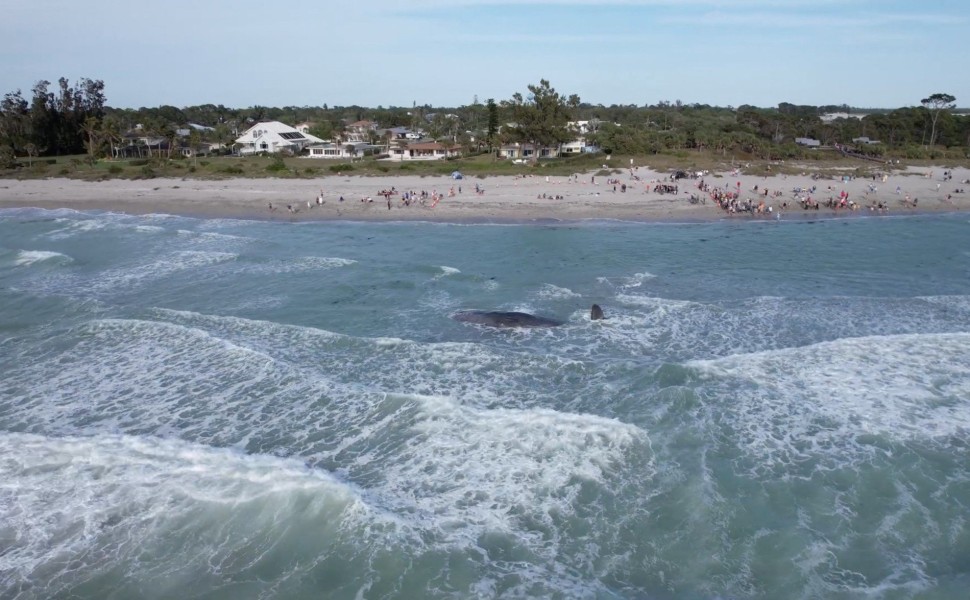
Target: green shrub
[64,171]
[341,168]
[277,166]
[914,153]
[138,162]
[147,172]
[115,169]
[7,158]
[204,163]
[232,170]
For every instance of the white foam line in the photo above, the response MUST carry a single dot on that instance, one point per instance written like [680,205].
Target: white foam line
[469,470]
[183,260]
[553,292]
[29,257]
[626,283]
[443,368]
[104,500]
[822,396]
[100,325]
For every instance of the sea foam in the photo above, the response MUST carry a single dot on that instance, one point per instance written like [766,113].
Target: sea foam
[26,258]
[819,398]
[79,506]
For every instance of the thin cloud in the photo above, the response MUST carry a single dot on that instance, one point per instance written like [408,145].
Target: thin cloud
[803,21]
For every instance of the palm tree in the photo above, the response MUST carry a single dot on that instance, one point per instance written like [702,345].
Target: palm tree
[111,132]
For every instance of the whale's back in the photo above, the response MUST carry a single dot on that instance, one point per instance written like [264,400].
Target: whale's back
[504,319]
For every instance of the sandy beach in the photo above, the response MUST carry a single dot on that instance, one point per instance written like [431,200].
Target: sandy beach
[499,199]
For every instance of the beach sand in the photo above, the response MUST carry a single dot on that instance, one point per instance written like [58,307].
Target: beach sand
[504,199]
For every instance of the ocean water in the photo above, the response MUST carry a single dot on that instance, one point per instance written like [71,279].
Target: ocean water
[232,409]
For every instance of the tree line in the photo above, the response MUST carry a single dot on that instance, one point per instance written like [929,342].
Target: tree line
[52,121]
[75,119]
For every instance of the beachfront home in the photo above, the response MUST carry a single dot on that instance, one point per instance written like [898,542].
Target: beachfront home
[525,151]
[865,140]
[190,150]
[573,147]
[345,151]
[580,144]
[273,137]
[138,143]
[423,151]
[808,142]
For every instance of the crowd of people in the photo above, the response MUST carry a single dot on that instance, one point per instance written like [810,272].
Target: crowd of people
[821,192]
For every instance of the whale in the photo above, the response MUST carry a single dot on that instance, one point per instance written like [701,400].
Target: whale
[493,318]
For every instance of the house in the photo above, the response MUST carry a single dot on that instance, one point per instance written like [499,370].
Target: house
[189,150]
[304,127]
[273,137]
[401,133]
[573,147]
[359,131]
[834,116]
[396,133]
[865,140]
[808,142]
[584,127]
[138,143]
[580,145]
[423,151]
[345,151]
[519,151]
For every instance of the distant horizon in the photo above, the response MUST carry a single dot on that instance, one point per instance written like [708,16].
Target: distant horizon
[481,101]
[851,109]
[723,53]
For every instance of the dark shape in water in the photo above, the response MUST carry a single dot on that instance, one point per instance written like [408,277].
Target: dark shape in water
[515,319]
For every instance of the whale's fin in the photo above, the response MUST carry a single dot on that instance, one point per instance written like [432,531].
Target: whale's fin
[596,313]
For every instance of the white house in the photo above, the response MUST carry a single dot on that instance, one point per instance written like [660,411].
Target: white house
[423,151]
[834,116]
[347,150]
[273,136]
[518,151]
[577,146]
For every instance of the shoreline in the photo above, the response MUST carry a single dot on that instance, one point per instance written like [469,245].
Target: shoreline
[502,200]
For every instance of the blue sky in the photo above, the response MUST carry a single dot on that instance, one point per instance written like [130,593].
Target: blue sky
[866,53]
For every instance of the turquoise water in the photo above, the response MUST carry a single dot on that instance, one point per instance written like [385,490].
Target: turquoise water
[229,409]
